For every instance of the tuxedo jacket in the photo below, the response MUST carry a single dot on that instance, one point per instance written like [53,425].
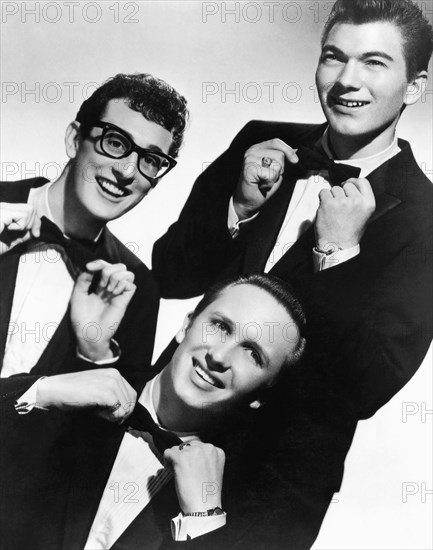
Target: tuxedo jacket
[54,469]
[135,334]
[369,319]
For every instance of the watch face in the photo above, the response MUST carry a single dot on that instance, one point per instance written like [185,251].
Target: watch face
[216,511]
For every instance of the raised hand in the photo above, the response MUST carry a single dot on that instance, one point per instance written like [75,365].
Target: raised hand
[261,175]
[18,223]
[104,390]
[198,474]
[96,316]
[343,214]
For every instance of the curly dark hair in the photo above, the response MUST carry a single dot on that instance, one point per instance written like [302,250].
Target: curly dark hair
[156,100]
[416,31]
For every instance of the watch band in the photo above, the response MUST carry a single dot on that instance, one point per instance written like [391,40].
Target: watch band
[327,252]
[211,512]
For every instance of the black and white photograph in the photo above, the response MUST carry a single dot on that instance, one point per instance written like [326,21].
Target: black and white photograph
[216,252]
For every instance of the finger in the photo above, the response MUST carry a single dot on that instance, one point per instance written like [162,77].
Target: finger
[124,287]
[325,195]
[364,187]
[280,145]
[36,226]
[119,276]
[350,189]
[83,281]
[96,265]
[337,192]
[131,398]
[106,273]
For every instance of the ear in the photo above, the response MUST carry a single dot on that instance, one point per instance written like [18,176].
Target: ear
[415,89]
[256,404]
[72,139]
[181,333]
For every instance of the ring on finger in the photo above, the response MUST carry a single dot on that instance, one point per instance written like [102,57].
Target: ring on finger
[183,445]
[266,162]
[115,407]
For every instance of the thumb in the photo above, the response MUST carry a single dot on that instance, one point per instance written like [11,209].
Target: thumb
[83,282]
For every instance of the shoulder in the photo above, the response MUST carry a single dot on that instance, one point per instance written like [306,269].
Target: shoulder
[121,253]
[415,185]
[18,191]
[292,133]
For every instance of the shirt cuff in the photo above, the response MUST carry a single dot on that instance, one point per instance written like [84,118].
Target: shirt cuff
[29,400]
[323,261]
[190,527]
[115,349]
[233,222]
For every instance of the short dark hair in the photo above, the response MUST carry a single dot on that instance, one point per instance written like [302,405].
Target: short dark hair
[278,289]
[416,31]
[156,100]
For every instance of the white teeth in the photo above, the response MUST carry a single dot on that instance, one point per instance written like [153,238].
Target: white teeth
[113,189]
[204,375]
[346,103]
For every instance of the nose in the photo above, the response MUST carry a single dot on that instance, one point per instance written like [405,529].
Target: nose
[218,358]
[125,169]
[349,76]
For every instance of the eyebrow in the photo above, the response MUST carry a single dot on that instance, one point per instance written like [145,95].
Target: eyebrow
[365,55]
[151,147]
[255,343]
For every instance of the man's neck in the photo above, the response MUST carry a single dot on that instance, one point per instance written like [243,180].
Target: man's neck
[172,413]
[353,147]
[68,213]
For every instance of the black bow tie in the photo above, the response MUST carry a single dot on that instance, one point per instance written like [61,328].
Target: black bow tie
[310,159]
[142,421]
[79,251]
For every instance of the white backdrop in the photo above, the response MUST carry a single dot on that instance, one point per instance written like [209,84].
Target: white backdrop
[234,61]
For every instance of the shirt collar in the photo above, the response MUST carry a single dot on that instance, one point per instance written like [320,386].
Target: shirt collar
[366,164]
[146,400]
[38,197]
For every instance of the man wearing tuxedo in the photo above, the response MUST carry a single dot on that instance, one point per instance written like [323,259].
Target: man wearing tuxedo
[124,139]
[88,483]
[344,213]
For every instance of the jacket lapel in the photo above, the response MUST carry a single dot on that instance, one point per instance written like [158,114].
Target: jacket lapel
[264,232]
[389,179]
[387,182]
[13,192]
[8,269]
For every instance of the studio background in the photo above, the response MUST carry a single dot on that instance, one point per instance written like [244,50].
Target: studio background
[233,61]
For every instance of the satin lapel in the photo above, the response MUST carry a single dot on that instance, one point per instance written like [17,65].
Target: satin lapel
[61,345]
[96,451]
[152,524]
[263,235]
[386,182]
[299,257]
[8,274]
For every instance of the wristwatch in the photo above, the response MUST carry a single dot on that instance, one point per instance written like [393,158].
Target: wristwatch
[211,512]
[327,252]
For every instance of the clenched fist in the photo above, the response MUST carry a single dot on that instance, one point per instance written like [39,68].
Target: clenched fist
[261,175]
[104,390]
[198,474]
[343,214]
[18,223]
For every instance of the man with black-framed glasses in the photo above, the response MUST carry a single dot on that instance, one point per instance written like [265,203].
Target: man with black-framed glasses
[123,141]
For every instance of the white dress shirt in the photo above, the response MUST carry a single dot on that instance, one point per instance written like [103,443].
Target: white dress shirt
[302,209]
[42,292]
[137,475]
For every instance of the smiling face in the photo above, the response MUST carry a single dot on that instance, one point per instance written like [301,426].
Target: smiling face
[362,84]
[103,188]
[233,349]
